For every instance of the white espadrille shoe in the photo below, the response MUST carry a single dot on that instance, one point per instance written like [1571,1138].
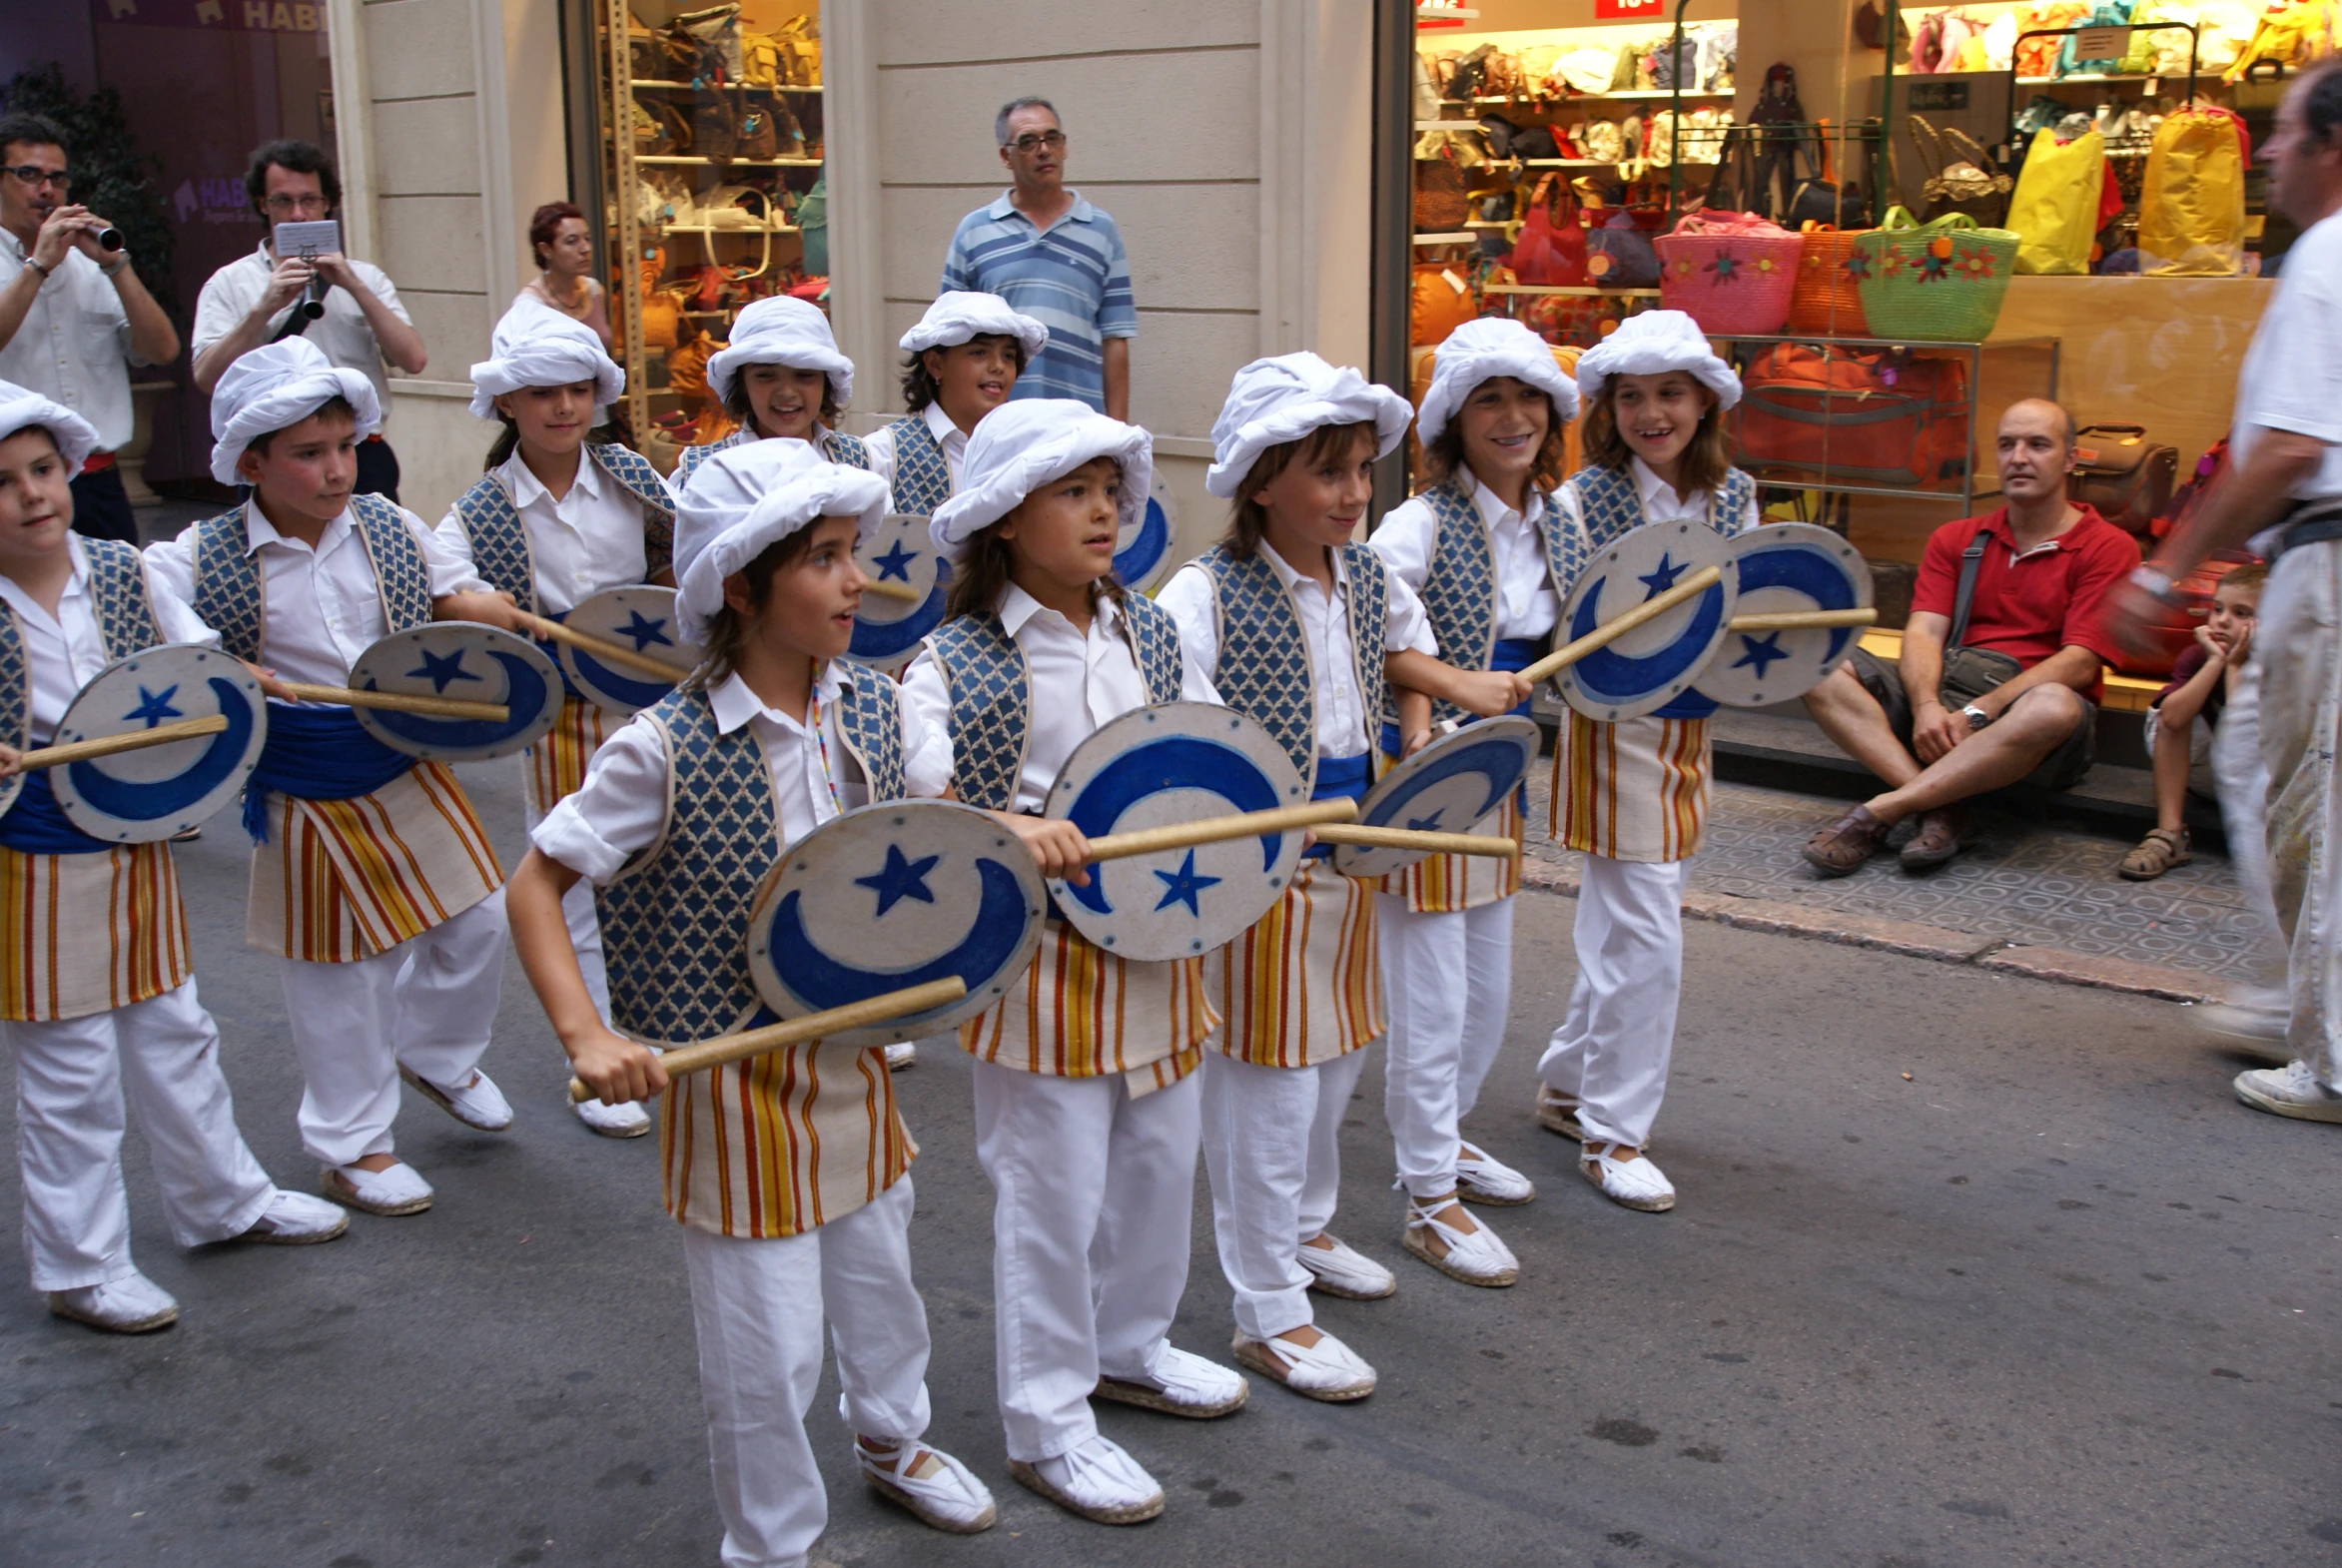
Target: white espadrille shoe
[1094,1479]
[133,1305]
[1481,1178]
[948,1497]
[1476,1257]
[1176,1382]
[298,1220]
[900,1055]
[627,1120]
[1557,1113]
[1327,1370]
[1632,1183]
[392,1193]
[1337,1269]
[478,1104]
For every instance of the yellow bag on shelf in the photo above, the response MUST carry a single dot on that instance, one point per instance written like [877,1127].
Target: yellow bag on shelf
[2055,209]
[2191,208]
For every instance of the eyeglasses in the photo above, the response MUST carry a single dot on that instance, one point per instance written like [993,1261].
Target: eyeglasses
[295,203]
[1034,140]
[36,176]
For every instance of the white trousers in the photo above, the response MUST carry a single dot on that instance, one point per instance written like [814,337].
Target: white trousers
[428,1004]
[2243,779]
[1609,1053]
[1447,987]
[758,1308]
[583,920]
[71,1077]
[1093,1197]
[2298,642]
[1271,1146]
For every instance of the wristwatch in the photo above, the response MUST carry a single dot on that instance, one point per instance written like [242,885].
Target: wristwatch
[1977,717]
[2157,583]
[108,269]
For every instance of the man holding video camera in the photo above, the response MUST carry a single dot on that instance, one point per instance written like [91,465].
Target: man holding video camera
[73,314]
[346,306]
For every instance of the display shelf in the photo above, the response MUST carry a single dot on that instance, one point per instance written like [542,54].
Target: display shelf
[1568,163]
[687,161]
[737,87]
[743,230]
[1638,95]
[1446,239]
[1575,291]
[1447,125]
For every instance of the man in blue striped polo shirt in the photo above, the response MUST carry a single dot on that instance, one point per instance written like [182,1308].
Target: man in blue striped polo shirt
[1055,258]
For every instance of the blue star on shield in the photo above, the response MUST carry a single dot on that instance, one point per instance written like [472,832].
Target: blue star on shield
[1181,886]
[1662,576]
[1428,824]
[895,563]
[901,878]
[645,632]
[1761,652]
[443,669]
[155,707]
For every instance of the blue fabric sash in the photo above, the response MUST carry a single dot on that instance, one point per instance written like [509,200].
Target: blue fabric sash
[317,754]
[37,825]
[1339,778]
[1517,653]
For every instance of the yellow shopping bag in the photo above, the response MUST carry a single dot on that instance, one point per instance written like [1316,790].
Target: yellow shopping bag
[2055,209]
[2191,209]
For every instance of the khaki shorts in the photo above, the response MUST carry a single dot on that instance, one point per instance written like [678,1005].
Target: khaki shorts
[2200,779]
[1966,679]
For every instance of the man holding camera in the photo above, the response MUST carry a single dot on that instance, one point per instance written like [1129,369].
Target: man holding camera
[346,307]
[73,314]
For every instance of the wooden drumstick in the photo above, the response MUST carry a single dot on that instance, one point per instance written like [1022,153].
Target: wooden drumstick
[1429,843]
[1801,621]
[1610,631]
[129,740]
[1215,830]
[399,703]
[756,1041]
[601,647]
[902,592]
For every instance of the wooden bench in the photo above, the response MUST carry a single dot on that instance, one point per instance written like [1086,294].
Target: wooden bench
[2124,693]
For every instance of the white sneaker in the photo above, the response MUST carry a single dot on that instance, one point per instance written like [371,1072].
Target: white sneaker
[1476,1257]
[1480,1178]
[1327,1370]
[1178,1383]
[628,1120]
[902,1054]
[479,1103]
[2292,1090]
[297,1220]
[133,1305]
[1338,1271]
[398,1191]
[948,1497]
[1631,1183]
[1094,1479]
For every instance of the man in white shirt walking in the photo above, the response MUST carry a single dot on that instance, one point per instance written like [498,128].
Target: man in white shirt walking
[256,300]
[73,314]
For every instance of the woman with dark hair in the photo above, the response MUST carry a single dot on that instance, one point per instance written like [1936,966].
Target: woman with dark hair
[781,375]
[564,248]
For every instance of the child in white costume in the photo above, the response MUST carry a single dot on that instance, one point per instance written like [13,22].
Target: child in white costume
[1086,1100]
[781,374]
[789,1171]
[96,993]
[1292,619]
[372,878]
[1634,795]
[1479,549]
[556,520]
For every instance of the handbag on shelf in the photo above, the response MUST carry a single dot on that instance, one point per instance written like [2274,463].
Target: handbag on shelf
[661,131]
[1864,416]
[715,126]
[1441,301]
[1828,299]
[1819,198]
[2055,208]
[2192,216]
[2127,477]
[1551,250]
[1730,272]
[1943,282]
[1619,255]
[1960,177]
[1443,195]
[759,135]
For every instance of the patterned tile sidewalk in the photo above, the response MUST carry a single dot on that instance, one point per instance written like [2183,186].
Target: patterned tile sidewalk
[2020,883]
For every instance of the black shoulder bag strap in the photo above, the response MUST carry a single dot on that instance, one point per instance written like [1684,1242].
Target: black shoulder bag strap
[1972,560]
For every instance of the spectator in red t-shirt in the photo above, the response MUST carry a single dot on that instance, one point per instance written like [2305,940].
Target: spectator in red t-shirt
[2013,699]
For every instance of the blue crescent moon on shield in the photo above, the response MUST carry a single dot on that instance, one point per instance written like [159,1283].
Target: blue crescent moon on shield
[824,980]
[884,643]
[1144,549]
[1803,569]
[140,801]
[1784,566]
[1606,675]
[631,690]
[526,694]
[1498,762]
[1150,768]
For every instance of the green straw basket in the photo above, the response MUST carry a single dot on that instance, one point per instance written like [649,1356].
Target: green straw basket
[1940,282]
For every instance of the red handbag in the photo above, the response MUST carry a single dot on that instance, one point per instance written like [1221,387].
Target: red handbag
[1552,248]
[1863,416]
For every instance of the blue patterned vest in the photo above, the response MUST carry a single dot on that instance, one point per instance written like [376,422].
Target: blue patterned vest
[500,540]
[992,695]
[837,447]
[1265,668]
[1612,505]
[125,624]
[676,922]
[1459,591]
[922,480]
[228,596]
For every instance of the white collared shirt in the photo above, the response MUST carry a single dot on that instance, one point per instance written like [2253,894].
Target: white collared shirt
[1344,727]
[949,437]
[621,808]
[1077,682]
[588,541]
[1661,503]
[321,607]
[64,653]
[73,346]
[343,332]
[2292,378]
[1526,606]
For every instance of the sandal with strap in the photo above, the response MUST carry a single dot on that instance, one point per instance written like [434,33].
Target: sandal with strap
[2159,852]
[1476,1257]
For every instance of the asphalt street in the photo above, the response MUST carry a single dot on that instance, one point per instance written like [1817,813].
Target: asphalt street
[1968,1268]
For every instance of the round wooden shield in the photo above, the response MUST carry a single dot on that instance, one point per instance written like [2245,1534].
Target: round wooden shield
[1786,567]
[1142,550]
[1156,767]
[896,895]
[887,630]
[139,797]
[640,619]
[467,661]
[1651,666]
[1450,786]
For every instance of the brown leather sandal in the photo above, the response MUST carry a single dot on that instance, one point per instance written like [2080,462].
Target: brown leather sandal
[1840,849]
[2159,852]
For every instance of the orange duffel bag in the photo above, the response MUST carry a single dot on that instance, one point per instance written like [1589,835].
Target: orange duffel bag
[1856,416]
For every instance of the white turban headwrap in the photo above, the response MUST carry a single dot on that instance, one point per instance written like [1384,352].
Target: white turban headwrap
[781,330]
[961,315]
[537,346]
[21,409]
[749,497]
[1273,401]
[1652,343]
[277,386]
[1022,446]
[1479,350]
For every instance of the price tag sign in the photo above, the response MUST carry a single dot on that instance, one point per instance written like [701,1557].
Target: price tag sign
[1628,10]
[2102,43]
